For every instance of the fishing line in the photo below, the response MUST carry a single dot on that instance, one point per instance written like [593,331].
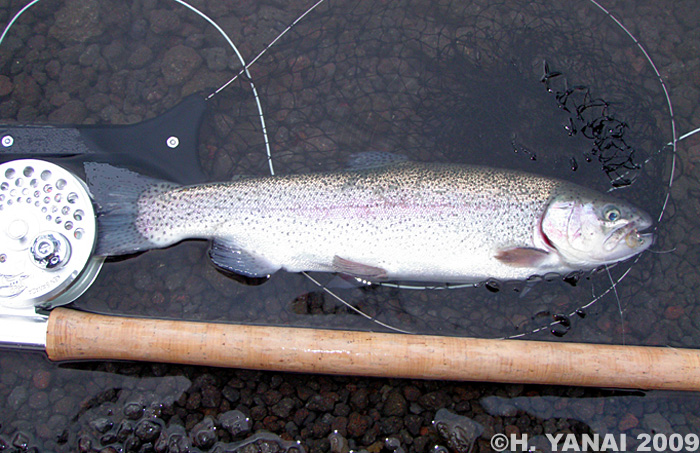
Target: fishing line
[245,69]
[356,310]
[272,43]
[619,304]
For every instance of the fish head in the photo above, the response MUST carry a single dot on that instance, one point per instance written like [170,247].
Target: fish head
[589,229]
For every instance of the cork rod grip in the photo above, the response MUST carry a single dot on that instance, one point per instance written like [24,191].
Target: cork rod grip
[75,335]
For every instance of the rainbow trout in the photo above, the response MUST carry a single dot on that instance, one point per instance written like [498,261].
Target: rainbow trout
[399,221]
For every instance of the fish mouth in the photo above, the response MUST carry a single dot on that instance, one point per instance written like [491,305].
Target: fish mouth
[633,235]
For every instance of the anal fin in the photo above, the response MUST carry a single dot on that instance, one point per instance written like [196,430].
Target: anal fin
[227,256]
[359,270]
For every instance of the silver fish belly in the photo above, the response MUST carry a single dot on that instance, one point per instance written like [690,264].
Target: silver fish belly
[400,222]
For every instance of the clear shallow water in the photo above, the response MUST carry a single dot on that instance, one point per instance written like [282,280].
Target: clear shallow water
[449,82]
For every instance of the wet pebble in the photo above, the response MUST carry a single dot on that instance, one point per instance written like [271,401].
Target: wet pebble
[216,58]
[26,90]
[17,397]
[101,425]
[284,407]
[133,411]
[204,433]
[235,422]
[322,403]
[434,400]
[179,63]
[628,421]
[164,21]
[77,21]
[147,430]
[211,396]
[6,85]
[140,57]
[358,424]
[72,112]
[395,404]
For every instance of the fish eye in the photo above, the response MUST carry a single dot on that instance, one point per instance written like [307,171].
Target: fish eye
[611,214]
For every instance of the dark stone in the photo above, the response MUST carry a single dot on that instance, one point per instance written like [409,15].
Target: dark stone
[8,109]
[164,21]
[304,392]
[133,411]
[320,428]
[179,64]
[72,112]
[204,433]
[88,57]
[101,425]
[140,57]
[17,397]
[113,53]
[132,444]
[211,396]
[126,429]
[147,430]
[27,90]
[358,424]
[139,28]
[359,399]
[231,394]
[322,403]
[413,424]
[258,412]
[6,86]
[194,401]
[53,69]
[341,409]
[301,415]
[291,429]
[84,445]
[21,441]
[216,58]
[435,400]
[283,408]
[77,20]
[395,404]
[108,438]
[235,422]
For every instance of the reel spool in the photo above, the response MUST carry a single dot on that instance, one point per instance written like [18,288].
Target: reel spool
[48,232]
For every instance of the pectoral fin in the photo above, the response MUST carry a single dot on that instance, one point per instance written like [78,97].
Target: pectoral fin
[522,257]
[358,269]
[227,256]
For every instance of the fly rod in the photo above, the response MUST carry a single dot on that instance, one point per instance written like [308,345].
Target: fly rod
[74,335]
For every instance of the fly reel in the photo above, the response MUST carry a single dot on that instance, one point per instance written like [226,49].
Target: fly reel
[47,235]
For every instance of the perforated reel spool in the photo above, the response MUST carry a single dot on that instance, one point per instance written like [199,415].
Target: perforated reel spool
[47,235]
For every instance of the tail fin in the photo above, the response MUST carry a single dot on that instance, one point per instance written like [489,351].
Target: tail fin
[116,192]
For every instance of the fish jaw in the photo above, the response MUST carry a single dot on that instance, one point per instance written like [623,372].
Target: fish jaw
[627,241]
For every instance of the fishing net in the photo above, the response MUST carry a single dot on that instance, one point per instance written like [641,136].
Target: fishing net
[554,88]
